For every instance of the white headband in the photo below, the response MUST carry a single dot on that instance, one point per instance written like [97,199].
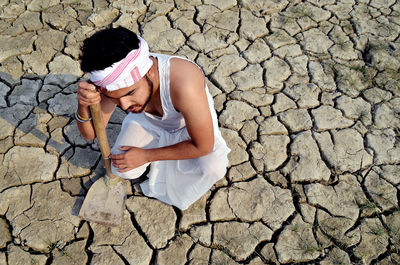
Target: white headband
[126,72]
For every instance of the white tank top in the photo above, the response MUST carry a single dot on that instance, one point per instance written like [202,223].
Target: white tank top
[171,120]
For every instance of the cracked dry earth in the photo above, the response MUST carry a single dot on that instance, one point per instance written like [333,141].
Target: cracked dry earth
[308,98]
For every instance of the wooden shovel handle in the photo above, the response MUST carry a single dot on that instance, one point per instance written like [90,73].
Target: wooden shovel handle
[101,135]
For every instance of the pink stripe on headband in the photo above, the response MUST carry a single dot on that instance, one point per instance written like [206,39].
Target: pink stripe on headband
[120,68]
[135,74]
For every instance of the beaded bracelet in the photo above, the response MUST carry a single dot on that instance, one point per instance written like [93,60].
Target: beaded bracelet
[80,118]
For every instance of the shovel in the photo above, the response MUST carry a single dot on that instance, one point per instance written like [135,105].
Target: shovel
[105,200]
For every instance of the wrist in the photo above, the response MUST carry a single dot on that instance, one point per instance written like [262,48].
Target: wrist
[147,154]
[83,111]
[79,118]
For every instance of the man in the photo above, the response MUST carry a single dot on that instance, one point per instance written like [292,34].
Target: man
[171,123]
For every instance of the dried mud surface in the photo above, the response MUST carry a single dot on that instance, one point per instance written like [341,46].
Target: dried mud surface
[308,99]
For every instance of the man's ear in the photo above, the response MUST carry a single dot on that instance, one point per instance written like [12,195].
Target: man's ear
[152,71]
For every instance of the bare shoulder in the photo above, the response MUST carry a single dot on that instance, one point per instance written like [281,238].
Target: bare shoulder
[186,81]
[185,73]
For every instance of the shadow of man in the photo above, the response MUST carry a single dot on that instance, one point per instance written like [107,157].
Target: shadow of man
[39,139]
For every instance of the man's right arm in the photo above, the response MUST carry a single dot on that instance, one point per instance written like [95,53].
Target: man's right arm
[87,96]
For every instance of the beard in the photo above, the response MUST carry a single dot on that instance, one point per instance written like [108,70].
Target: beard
[142,107]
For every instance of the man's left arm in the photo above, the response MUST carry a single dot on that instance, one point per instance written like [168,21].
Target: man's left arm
[188,97]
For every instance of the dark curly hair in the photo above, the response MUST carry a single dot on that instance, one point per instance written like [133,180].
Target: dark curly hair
[106,47]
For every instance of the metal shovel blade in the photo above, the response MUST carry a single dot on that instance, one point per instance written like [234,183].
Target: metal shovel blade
[105,202]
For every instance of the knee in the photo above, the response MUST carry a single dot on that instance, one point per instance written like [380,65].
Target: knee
[133,134]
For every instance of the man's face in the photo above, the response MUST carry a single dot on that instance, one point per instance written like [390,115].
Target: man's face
[133,98]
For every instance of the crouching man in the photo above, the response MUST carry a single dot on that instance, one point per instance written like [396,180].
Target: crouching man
[171,125]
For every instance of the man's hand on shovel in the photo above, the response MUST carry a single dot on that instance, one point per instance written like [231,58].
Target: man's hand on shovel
[88,94]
